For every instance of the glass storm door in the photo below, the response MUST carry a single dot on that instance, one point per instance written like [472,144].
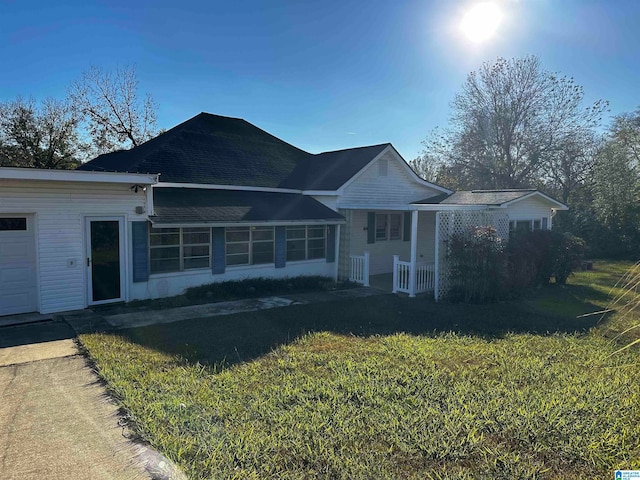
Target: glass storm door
[105,260]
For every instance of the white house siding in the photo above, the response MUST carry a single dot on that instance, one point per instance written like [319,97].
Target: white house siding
[398,187]
[169,284]
[382,252]
[531,208]
[60,208]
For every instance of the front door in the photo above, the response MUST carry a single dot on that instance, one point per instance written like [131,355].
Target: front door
[105,259]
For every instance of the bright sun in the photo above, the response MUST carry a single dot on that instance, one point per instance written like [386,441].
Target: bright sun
[481,21]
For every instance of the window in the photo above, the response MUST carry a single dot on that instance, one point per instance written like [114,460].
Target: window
[306,242]
[13,224]
[178,249]
[381,226]
[388,226]
[249,245]
[520,226]
[395,227]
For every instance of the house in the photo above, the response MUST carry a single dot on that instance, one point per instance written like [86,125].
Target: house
[216,199]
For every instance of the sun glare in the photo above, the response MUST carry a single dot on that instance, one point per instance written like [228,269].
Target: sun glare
[481,21]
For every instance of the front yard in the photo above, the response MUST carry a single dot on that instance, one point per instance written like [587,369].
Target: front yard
[389,387]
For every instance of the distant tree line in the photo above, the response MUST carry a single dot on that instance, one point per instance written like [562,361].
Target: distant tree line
[102,112]
[516,125]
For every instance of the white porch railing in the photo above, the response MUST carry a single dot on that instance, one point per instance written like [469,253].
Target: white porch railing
[424,277]
[359,269]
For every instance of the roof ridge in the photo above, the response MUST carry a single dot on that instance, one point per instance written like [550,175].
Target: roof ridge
[352,148]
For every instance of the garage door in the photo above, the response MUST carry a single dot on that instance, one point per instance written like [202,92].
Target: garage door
[18,286]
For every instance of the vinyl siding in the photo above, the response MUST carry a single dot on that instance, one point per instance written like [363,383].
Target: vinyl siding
[529,209]
[60,209]
[382,252]
[398,187]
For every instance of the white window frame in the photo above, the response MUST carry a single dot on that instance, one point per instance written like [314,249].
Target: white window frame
[180,245]
[250,243]
[306,240]
[513,224]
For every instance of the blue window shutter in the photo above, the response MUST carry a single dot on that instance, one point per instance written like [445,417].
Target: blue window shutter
[371,227]
[406,234]
[331,243]
[219,261]
[281,247]
[140,251]
[545,223]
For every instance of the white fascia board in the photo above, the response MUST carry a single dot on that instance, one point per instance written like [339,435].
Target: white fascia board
[435,207]
[340,191]
[329,193]
[274,223]
[87,176]
[558,205]
[209,186]
[415,176]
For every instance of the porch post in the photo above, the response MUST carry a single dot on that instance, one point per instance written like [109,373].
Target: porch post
[436,268]
[366,269]
[337,258]
[414,253]
[396,258]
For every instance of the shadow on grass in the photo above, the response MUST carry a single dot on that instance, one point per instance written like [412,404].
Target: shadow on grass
[227,340]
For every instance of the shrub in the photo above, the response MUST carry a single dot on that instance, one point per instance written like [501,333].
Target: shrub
[255,287]
[530,259]
[568,252]
[477,265]
[535,257]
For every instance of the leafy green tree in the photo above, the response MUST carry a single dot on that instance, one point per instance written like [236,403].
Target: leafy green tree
[39,135]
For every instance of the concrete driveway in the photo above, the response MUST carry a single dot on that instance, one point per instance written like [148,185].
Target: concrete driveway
[56,421]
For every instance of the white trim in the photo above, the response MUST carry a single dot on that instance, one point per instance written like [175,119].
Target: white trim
[274,223]
[331,193]
[419,207]
[561,206]
[390,148]
[415,176]
[209,186]
[361,171]
[11,173]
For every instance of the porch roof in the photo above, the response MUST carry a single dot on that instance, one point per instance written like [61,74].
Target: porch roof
[190,206]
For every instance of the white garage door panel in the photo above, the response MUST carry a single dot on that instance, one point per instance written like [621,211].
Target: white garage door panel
[10,276]
[18,285]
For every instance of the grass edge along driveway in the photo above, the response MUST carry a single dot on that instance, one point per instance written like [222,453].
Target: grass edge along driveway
[387,388]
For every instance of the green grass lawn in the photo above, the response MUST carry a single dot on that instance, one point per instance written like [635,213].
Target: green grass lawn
[389,387]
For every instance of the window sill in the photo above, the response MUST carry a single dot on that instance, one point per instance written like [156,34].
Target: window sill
[191,271]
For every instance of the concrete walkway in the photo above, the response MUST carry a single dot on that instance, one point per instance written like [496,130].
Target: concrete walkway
[143,318]
[56,419]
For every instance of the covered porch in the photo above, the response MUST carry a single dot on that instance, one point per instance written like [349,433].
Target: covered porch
[391,248]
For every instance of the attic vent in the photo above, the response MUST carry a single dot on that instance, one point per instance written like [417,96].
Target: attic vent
[383,168]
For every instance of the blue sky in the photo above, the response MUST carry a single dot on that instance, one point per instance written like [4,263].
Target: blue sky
[320,75]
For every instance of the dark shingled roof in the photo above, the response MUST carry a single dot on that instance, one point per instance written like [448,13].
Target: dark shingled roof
[330,170]
[194,205]
[211,149]
[478,197]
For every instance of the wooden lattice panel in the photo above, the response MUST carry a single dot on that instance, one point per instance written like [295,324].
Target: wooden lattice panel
[457,222]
